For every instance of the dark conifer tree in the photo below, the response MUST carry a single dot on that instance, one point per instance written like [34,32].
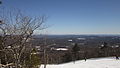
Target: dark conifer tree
[75,50]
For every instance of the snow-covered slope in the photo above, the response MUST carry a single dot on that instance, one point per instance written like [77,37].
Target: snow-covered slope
[108,62]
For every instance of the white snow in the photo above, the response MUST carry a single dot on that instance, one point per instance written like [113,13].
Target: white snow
[108,62]
[61,49]
[81,38]
[70,40]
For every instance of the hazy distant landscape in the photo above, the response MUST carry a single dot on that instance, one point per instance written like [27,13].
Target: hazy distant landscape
[59,33]
[85,39]
[93,46]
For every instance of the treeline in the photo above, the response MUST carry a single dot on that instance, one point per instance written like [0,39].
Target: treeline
[78,52]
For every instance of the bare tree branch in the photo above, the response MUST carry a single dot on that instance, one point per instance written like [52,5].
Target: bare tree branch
[16,29]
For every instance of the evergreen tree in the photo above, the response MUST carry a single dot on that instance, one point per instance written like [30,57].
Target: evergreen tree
[75,50]
[34,60]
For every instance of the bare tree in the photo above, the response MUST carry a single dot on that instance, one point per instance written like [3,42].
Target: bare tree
[16,30]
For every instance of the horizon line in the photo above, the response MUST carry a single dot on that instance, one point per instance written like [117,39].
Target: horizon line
[76,34]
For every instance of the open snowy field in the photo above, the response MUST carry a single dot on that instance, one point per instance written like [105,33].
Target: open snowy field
[109,62]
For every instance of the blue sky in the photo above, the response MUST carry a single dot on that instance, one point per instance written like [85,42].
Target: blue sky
[74,16]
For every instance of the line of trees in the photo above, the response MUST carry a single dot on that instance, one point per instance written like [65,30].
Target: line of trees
[79,52]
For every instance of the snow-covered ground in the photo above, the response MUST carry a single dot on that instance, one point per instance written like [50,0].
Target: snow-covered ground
[109,62]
